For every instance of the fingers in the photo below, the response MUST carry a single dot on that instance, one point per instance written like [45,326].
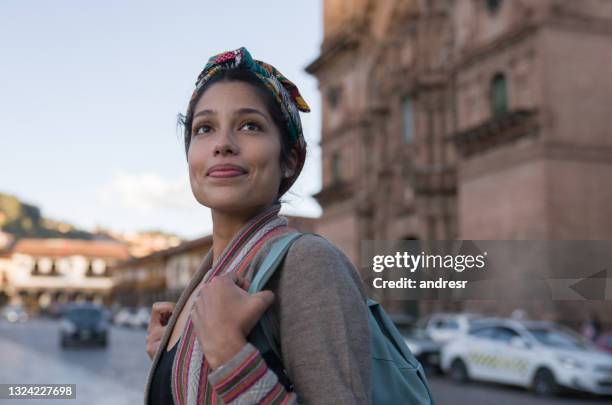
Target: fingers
[262,300]
[155,334]
[161,307]
[234,278]
[161,311]
[164,318]
[153,340]
[243,283]
[160,314]
[151,348]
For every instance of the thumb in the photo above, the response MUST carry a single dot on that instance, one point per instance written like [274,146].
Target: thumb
[262,300]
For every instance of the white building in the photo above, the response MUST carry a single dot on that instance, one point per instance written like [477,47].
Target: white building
[42,271]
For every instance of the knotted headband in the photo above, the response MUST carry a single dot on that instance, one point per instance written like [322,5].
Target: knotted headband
[284,91]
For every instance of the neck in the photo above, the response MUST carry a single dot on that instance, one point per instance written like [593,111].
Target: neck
[226,225]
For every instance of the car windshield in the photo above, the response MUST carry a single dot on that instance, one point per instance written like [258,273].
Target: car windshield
[556,337]
[84,314]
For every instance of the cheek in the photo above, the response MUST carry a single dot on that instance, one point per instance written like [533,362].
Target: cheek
[265,157]
[195,160]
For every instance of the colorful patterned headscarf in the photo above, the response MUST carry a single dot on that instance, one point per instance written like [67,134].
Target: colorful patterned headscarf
[284,91]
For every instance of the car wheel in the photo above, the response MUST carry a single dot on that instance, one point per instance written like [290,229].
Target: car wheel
[544,383]
[458,371]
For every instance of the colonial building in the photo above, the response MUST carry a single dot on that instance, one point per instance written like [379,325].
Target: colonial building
[40,272]
[466,119]
[160,276]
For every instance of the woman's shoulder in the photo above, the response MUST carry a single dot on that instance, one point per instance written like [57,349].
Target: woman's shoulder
[312,245]
[313,259]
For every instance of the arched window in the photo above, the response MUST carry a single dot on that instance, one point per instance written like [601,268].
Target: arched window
[499,95]
[335,166]
[408,119]
[333,96]
[493,5]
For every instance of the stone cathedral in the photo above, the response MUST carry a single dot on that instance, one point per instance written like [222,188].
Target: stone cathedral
[467,120]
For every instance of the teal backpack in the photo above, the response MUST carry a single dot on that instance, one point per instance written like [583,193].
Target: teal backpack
[397,376]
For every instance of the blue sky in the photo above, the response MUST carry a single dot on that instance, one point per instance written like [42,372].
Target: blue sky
[90,91]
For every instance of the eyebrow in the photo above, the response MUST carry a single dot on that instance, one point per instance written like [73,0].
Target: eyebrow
[240,111]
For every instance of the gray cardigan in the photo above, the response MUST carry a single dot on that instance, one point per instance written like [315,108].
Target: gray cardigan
[320,316]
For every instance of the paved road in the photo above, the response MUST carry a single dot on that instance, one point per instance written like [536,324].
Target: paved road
[446,392]
[30,353]
[115,375]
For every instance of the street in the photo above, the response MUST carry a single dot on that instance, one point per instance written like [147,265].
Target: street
[116,375]
[446,392]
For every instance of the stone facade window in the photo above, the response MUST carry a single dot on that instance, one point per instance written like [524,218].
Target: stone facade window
[333,96]
[408,119]
[499,95]
[335,167]
[493,5]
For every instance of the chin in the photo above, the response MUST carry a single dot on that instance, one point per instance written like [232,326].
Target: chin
[227,200]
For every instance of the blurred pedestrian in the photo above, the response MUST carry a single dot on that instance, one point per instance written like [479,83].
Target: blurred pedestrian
[591,328]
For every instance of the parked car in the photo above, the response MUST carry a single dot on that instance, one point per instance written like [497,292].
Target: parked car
[123,317]
[141,317]
[14,313]
[84,323]
[55,310]
[542,356]
[424,348]
[444,327]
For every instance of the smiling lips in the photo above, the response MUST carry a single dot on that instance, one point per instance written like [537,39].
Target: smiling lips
[226,170]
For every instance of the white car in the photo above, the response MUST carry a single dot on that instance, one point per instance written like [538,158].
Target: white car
[542,356]
[123,317]
[14,313]
[444,327]
[425,349]
[141,318]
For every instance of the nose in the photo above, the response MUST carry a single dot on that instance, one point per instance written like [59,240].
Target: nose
[226,145]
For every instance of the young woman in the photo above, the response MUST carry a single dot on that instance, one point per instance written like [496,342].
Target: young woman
[245,148]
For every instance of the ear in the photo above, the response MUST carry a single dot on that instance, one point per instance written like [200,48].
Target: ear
[292,163]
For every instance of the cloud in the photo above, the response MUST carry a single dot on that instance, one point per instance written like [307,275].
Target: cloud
[147,192]
[148,200]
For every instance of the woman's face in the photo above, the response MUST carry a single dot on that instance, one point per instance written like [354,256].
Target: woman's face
[231,126]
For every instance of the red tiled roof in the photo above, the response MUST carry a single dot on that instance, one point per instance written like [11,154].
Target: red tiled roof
[182,248]
[69,247]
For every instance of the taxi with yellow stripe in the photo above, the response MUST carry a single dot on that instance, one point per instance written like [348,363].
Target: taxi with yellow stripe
[542,356]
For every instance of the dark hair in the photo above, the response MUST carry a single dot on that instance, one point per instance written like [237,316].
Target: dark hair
[246,76]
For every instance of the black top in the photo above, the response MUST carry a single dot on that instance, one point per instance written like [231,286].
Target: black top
[161,393]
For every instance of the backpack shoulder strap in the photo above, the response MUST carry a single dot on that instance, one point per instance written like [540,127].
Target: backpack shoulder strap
[261,335]
[272,260]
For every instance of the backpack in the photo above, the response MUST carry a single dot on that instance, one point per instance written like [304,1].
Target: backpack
[397,376]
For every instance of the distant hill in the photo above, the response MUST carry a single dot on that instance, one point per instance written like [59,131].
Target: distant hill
[25,220]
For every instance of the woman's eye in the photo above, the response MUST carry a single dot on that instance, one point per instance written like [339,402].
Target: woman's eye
[251,126]
[204,128]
